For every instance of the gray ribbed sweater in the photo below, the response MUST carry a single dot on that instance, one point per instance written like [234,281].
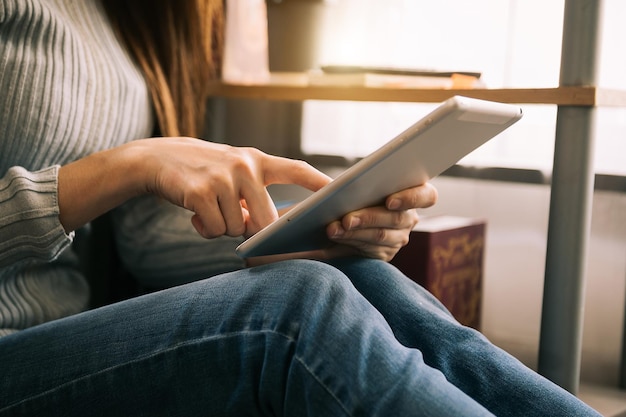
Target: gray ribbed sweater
[70,89]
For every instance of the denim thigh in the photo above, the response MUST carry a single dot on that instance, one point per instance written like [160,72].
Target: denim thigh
[293,338]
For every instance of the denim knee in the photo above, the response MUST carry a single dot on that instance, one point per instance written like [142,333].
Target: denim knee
[300,282]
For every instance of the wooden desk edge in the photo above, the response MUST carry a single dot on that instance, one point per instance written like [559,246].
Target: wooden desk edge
[564,96]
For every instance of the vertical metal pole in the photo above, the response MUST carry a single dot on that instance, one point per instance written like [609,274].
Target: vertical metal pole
[570,203]
[622,371]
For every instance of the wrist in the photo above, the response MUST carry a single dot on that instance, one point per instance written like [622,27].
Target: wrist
[91,186]
[131,162]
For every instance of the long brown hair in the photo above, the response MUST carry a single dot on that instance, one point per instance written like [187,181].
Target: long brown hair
[178,44]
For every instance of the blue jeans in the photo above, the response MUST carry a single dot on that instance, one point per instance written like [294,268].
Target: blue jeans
[297,338]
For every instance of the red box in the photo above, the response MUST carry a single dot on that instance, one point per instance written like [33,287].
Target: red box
[445,256]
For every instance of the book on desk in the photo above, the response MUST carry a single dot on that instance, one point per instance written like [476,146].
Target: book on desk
[389,77]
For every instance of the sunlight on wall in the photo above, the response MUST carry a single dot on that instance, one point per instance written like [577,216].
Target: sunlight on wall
[478,35]
[508,41]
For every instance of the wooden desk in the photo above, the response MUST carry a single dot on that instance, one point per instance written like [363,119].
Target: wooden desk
[283,90]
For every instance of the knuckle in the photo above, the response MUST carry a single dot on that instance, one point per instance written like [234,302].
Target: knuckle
[213,231]
[418,200]
[430,196]
[241,162]
[414,218]
[381,235]
[383,254]
[398,219]
[368,218]
[236,231]
[387,256]
[194,195]
[434,194]
[301,165]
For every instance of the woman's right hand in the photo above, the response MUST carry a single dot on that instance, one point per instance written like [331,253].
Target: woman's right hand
[224,186]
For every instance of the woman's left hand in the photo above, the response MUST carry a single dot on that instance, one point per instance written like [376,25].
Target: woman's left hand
[374,232]
[380,232]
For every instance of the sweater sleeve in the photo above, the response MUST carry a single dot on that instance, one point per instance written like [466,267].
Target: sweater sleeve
[30,229]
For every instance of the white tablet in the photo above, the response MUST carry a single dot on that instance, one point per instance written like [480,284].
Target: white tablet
[426,149]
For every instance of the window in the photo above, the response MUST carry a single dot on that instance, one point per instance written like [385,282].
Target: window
[509,42]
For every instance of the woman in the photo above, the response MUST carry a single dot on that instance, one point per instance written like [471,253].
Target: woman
[348,336]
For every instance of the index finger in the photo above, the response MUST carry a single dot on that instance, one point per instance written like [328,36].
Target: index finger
[278,170]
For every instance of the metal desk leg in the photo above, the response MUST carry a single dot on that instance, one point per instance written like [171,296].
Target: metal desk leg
[622,371]
[570,217]
[570,204]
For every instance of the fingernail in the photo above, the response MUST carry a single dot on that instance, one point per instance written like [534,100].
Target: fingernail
[394,204]
[337,231]
[354,222]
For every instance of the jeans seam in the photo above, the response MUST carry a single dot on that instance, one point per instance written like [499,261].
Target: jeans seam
[321,383]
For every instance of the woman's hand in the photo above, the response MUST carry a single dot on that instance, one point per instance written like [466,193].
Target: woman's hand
[380,232]
[224,186]
[375,232]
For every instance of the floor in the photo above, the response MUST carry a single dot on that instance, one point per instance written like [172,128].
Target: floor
[606,398]
[609,401]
